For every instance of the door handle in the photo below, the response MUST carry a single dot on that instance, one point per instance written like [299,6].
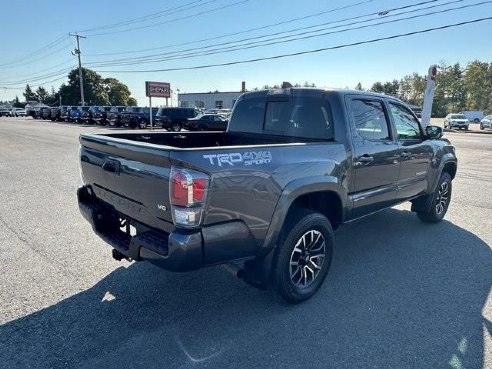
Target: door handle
[405,155]
[365,159]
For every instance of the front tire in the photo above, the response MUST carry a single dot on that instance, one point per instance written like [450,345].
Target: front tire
[440,201]
[176,127]
[142,124]
[303,257]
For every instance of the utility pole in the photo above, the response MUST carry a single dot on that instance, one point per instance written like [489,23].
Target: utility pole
[77,52]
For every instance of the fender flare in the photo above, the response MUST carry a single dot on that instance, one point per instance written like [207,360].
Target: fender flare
[446,159]
[294,190]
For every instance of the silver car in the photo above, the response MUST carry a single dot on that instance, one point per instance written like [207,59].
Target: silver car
[456,121]
[486,122]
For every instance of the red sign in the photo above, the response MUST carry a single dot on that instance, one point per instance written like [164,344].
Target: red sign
[157,89]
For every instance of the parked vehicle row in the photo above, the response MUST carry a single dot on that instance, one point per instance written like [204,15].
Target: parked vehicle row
[13,112]
[169,118]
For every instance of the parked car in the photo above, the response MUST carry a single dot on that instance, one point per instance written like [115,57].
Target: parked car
[486,122]
[207,122]
[65,113]
[45,112]
[75,114]
[55,113]
[4,112]
[126,115]
[92,114]
[19,112]
[456,121]
[104,115]
[292,166]
[173,119]
[138,118]
[114,118]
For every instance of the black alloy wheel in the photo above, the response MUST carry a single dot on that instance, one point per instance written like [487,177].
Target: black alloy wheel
[440,201]
[303,255]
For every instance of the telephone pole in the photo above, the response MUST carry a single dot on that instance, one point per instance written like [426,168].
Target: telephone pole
[77,52]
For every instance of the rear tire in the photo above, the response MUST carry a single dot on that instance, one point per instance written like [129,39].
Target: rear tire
[303,256]
[440,201]
[176,127]
[481,126]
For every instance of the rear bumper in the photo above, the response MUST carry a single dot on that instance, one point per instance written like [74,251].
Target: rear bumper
[174,251]
[178,251]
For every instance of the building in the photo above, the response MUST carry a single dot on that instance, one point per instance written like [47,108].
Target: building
[210,100]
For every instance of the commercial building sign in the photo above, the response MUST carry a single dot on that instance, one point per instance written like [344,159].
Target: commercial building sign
[157,89]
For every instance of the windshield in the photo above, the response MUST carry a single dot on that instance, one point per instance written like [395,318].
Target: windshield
[458,116]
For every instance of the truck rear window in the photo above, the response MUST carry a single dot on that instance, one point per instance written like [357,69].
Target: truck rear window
[303,117]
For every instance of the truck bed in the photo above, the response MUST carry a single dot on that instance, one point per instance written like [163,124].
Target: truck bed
[190,140]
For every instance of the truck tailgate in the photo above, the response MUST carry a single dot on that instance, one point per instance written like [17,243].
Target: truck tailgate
[130,176]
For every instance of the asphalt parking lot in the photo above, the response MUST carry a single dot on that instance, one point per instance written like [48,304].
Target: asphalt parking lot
[400,293]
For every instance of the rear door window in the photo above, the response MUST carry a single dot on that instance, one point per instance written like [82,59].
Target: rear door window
[370,120]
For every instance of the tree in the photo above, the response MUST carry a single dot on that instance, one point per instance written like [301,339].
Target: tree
[29,95]
[16,103]
[377,87]
[359,87]
[94,91]
[42,95]
[97,90]
[118,93]
[478,84]
[131,102]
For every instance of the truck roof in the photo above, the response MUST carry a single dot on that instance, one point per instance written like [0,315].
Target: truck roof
[304,91]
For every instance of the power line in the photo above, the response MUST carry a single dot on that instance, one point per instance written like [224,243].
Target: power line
[35,53]
[400,35]
[289,21]
[144,18]
[35,85]
[174,19]
[31,76]
[63,71]
[279,40]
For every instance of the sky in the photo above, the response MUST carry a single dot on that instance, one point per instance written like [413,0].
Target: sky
[36,46]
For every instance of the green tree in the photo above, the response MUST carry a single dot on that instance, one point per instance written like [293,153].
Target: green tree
[29,95]
[42,95]
[391,88]
[377,87]
[117,92]
[478,84]
[358,87]
[16,103]
[131,102]
[94,91]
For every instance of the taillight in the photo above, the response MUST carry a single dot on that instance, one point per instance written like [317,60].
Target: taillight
[188,191]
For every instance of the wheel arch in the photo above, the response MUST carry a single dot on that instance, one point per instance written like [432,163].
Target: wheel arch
[321,194]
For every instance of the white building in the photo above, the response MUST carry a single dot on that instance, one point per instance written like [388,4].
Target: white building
[209,100]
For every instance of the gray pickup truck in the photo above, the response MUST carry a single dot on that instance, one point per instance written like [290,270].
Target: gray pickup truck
[266,195]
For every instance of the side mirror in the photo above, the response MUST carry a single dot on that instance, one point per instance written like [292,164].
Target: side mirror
[433,131]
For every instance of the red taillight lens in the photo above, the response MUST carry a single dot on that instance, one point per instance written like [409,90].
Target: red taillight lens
[199,187]
[188,187]
[179,188]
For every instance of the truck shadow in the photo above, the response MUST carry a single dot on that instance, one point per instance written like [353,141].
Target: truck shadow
[399,294]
